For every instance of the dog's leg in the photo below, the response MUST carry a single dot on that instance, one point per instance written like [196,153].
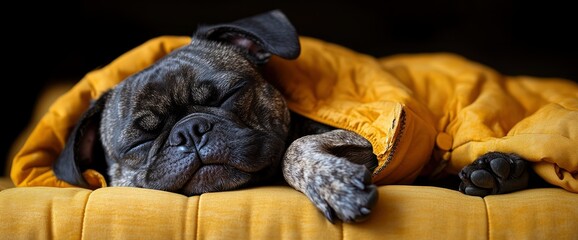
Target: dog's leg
[494,173]
[332,170]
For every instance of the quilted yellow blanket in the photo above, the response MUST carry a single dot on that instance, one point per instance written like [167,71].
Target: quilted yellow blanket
[425,114]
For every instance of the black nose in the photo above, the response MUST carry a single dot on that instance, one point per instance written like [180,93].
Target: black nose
[189,133]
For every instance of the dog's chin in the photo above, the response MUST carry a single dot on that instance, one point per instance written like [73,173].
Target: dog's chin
[216,178]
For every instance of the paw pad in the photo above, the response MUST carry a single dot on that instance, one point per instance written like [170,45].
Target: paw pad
[494,173]
[483,179]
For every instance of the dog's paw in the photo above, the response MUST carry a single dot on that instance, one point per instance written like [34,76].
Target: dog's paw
[494,173]
[343,192]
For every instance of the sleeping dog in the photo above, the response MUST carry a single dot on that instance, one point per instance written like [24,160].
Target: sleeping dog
[204,118]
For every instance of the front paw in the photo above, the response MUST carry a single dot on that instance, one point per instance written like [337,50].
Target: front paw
[494,173]
[343,193]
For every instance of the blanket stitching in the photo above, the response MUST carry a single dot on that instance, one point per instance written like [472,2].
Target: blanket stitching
[84,215]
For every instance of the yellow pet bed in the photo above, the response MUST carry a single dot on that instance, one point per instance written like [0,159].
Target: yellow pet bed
[394,92]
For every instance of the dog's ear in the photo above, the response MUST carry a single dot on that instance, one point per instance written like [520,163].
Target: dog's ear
[260,36]
[83,149]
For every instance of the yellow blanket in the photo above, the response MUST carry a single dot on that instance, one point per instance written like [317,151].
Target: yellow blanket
[424,114]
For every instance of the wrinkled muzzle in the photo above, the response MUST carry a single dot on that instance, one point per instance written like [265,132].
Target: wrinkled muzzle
[207,153]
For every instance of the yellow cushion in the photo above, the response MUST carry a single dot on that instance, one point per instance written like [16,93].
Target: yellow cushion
[278,212]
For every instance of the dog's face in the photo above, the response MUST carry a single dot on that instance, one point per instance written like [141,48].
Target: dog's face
[201,119]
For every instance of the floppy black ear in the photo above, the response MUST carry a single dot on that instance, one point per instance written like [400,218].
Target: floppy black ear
[83,149]
[260,35]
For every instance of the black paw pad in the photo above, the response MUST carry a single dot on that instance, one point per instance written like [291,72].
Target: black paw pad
[500,167]
[494,173]
[482,178]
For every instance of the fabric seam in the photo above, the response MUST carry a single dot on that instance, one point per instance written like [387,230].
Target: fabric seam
[82,230]
[487,217]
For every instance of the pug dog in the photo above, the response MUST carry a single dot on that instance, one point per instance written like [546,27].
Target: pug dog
[204,119]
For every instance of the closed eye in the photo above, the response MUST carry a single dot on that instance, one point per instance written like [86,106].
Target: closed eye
[228,96]
[136,147]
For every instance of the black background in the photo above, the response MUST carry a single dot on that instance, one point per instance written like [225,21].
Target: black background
[53,41]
